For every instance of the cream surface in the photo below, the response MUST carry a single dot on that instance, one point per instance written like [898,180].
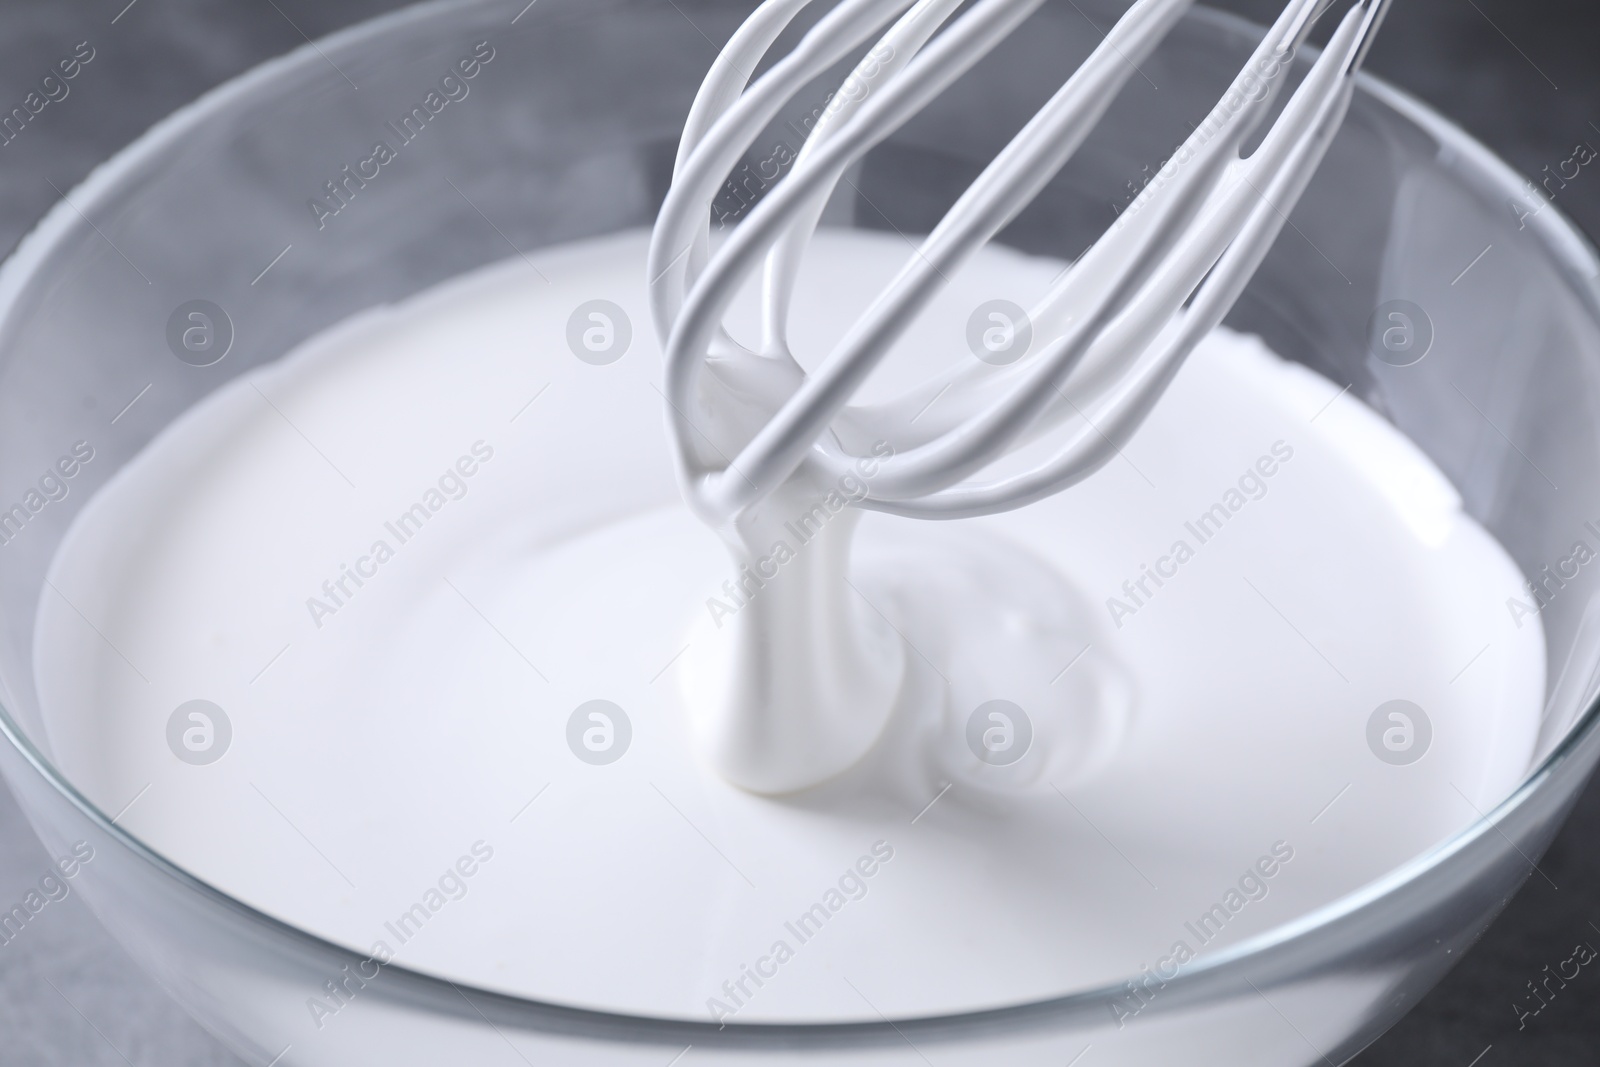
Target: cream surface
[1197,637]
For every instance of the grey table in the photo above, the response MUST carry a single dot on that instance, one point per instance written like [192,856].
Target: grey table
[1524,75]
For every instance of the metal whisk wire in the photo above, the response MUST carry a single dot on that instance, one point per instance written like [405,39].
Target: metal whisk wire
[1115,328]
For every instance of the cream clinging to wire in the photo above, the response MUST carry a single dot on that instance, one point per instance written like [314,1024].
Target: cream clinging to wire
[804,680]
[1109,336]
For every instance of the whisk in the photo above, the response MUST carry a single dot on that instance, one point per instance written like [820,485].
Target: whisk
[1108,337]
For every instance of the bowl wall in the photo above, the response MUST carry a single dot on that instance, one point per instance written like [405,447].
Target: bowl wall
[569,130]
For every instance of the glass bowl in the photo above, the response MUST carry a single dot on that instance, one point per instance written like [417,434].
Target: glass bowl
[571,134]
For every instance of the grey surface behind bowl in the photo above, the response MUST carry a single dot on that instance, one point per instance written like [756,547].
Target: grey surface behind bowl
[1521,76]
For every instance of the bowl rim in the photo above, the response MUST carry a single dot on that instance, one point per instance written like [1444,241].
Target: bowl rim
[1562,238]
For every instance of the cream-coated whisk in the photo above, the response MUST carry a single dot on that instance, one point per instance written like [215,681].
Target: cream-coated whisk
[751,428]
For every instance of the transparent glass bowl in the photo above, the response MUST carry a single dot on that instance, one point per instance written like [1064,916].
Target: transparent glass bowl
[571,133]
